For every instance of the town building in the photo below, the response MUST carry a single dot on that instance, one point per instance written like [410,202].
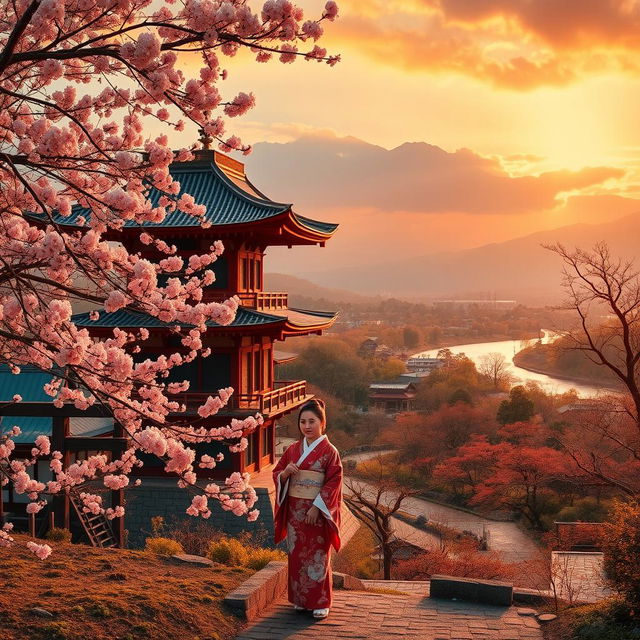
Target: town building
[392,397]
[417,364]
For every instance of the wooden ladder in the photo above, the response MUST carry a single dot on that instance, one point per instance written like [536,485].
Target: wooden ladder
[97,527]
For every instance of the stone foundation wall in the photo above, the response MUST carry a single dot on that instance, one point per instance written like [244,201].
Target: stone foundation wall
[162,497]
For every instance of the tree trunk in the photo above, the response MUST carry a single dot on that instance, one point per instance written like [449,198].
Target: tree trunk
[387,554]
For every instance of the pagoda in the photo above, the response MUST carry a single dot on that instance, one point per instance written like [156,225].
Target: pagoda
[244,354]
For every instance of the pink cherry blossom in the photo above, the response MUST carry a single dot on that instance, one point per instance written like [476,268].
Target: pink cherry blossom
[43,551]
[77,152]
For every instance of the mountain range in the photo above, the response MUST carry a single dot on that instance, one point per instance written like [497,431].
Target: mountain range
[520,269]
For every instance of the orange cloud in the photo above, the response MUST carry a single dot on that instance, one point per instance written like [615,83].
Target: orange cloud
[515,44]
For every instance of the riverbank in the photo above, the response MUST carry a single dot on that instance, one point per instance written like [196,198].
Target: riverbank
[448,343]
[521,361]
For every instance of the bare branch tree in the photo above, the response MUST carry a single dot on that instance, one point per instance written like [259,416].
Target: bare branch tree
[494,365]
[604,291]
[374,502]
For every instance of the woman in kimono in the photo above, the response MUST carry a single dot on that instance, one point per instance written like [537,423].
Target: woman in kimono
[308,479]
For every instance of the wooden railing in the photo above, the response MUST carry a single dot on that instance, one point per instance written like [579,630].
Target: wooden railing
[285,395]
[259,300]
[271,300]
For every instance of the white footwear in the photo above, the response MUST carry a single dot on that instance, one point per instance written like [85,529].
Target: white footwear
[298,608]
[320,613]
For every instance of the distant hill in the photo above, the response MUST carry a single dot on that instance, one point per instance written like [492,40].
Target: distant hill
[520,269]
[301,291]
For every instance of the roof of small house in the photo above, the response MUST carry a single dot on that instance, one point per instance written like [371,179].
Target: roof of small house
[395,386]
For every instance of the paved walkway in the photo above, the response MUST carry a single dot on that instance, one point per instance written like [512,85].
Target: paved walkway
[357,615]
[580,576]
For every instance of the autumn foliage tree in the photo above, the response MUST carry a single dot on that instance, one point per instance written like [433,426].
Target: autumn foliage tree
[80,82]
[519,472]
[437,436]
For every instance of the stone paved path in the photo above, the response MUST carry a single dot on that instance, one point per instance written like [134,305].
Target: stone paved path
[357,615]
[580,576]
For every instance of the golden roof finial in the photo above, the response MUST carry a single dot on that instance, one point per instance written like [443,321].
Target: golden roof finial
[204,138]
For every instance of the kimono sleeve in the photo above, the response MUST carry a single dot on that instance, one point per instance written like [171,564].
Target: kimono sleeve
[329,500]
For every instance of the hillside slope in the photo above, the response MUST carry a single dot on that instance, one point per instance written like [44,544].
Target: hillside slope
[112,594]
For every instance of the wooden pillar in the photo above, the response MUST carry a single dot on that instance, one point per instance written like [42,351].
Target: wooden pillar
[60,430]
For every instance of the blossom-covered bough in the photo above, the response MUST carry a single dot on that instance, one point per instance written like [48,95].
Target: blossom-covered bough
[62,145]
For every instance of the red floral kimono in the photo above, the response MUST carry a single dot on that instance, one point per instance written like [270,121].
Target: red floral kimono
[309,545]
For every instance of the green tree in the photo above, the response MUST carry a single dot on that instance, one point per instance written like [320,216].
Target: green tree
[411,337]
[519,407]
[434,335]
[460,395]
[333,366]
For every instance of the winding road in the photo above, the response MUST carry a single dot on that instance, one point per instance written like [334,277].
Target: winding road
[507,538]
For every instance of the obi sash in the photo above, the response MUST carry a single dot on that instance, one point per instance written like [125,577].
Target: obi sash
[306,484]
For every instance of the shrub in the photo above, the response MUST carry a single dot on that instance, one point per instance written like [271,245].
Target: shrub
[228,551]
[260,558]
[163,546]
[585,510]
[356,558]
[58,535]
[621,546]
[195,535]
[463,564]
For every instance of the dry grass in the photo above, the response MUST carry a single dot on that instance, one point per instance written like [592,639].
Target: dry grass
[112,594]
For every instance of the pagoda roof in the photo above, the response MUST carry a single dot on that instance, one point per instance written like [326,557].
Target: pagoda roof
[285,321]
[135,320]
[219,182]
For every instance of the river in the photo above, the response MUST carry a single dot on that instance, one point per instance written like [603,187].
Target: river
[508,348]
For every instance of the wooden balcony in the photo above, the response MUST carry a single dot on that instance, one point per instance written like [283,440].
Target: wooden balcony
[286,395]
[258,300]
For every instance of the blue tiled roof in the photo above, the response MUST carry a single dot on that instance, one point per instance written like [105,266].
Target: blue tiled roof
[226,202]
[28,383]
[316,225]
[134,319]
[32,427]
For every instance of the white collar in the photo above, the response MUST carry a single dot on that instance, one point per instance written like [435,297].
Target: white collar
[314,444]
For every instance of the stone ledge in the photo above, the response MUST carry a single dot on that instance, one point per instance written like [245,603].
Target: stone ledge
[483,591]
[254,595]
[532,596]
[345,581]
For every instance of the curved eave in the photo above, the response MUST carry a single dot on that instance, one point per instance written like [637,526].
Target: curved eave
[300,230]
[210,186]
[325,321]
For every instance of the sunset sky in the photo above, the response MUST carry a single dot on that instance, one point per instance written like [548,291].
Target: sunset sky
[540,96]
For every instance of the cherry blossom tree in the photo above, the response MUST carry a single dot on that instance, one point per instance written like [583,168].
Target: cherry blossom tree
[67,148]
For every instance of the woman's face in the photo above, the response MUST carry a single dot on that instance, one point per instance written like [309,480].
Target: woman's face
[310,425]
